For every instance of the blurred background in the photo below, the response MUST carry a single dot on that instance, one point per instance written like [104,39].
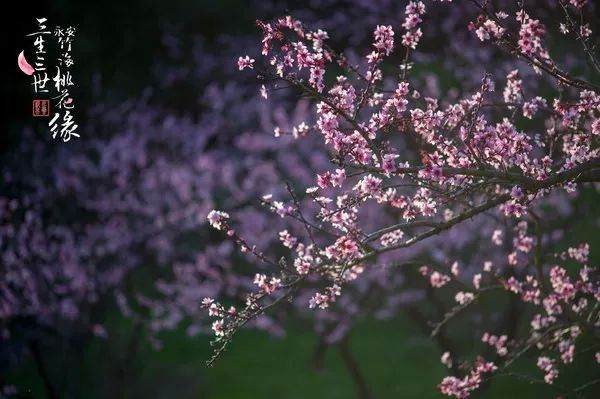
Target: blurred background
[114,254]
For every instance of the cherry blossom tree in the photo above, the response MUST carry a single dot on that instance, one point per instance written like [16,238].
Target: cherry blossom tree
[355,180]
[500,152]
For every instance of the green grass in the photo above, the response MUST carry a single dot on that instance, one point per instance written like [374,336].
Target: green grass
[396,359]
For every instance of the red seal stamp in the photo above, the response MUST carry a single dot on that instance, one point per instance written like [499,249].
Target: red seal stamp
[41,107]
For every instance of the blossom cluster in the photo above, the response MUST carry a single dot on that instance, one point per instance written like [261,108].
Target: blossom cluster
[397,168]
[437,163]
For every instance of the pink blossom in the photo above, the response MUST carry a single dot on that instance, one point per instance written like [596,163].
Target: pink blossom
[438,280]
[489,29]
[530,35]
[217,219]
[547,365]
[218,328]
[464,298]
[578,3]
[245,62]
[446,359]
[384,39]
[368,185]
[497,237]
[596,127]
[530,108]
[267,285]
[287,239]
[411,39]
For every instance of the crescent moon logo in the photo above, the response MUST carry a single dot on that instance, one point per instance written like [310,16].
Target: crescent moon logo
[24,65]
